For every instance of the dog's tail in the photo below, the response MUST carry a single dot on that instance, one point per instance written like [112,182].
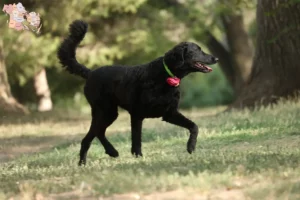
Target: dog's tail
[67,50]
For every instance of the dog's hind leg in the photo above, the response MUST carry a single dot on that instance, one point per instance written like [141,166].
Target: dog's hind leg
[87,140]
[105,119]
[101,119]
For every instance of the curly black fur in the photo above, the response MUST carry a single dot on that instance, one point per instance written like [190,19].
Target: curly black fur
[141,90]
[67,50]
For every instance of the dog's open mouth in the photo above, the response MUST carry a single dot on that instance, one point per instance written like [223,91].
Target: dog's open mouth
[202,67]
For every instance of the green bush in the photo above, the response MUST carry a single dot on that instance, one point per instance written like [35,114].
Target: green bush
[129,33]
[201,90]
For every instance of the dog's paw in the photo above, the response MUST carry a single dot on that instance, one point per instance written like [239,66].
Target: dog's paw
[190,150]
[137,152]
[81,162]
[112,153]
[191,145]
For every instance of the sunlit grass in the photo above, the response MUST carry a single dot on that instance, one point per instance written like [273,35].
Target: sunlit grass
[255,153]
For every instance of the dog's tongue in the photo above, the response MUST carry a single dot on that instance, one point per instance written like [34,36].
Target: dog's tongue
[208,68]
[199,65]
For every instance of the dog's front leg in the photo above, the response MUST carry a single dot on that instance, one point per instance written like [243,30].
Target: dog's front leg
[136,136]
[178,119]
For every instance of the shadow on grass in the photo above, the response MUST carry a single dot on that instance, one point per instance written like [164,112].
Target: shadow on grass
[218,153]
[150,135]
[14,147]
[216,162]
[49,116]
[210,155]
[163,159]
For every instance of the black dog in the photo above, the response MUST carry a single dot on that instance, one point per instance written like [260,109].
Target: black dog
[145,91]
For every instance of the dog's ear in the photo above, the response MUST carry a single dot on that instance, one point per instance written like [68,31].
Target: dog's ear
[185,50]
[176,56]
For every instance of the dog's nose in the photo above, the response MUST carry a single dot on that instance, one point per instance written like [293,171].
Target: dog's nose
[214,59]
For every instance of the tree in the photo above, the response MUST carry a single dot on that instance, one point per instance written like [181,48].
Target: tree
[42,91]
[227,16]
[236,61]
[276,68]
[236,52]
[122,32]
[7,102]
[111,38]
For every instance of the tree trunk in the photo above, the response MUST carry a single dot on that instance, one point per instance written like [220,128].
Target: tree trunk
[240,49]
[42,91]
[225,60]
[276,67]
[236,62]
[8,104]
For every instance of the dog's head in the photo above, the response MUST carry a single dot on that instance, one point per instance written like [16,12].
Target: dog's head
[188,57]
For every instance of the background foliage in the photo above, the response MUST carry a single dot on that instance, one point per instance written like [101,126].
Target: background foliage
[125,32]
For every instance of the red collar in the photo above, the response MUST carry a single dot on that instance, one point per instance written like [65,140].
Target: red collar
[173,80]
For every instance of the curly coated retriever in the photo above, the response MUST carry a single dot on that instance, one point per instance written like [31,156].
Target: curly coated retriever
[145,91]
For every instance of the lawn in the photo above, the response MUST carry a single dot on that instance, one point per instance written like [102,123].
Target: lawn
[239,155]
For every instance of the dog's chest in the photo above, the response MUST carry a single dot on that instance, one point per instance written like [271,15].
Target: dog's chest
[156,101]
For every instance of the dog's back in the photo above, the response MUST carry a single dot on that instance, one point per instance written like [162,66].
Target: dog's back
[111,83]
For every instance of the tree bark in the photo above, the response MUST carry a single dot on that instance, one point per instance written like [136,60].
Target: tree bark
[42,91]
[8,104]
[236,61]
[241,52]
[225,60]
[276,68]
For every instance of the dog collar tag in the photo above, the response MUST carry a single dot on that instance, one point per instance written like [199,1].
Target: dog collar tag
[173,81]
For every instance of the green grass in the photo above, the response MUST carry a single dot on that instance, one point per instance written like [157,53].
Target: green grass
[254,155]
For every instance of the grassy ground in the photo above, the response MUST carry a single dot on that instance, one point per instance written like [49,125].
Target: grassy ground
[240,155]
